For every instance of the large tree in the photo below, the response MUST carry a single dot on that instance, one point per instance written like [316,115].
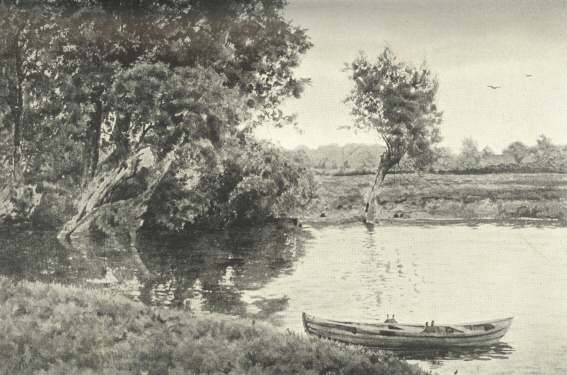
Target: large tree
[167,82]
[398,102]
[129,81]
[248,42]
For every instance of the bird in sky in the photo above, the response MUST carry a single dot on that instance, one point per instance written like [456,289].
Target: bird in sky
[529,75]
[494,87]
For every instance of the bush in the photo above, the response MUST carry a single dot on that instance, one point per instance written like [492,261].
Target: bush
[253,183]
[18,203]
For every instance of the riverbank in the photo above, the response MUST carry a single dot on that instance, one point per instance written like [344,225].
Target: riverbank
[53,329]
[444,198]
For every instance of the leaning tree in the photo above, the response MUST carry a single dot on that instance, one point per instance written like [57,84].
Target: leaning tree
[165,81]
[397,100]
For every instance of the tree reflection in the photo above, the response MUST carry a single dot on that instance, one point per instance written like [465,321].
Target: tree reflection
[500,350]
[210,271]
[201,271]
[33,256]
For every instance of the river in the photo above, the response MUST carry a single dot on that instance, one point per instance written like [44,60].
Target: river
[446,273]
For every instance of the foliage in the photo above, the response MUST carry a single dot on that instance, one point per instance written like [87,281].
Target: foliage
[398,102]
[160,108]
[470,156]
[487,152]
[548,155]
[248,43]
[268,184]
[517,157]
[25,30]
[86,85]
[350,158]
[18,203]
[543,156]
[51,329]
[444,160]
[105,39]
[250,183]
[518,151]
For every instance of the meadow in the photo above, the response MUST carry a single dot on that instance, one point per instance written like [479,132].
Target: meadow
[450,197]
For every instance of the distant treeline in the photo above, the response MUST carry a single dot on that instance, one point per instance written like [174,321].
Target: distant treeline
[351,158]
[544,156]
[517,157]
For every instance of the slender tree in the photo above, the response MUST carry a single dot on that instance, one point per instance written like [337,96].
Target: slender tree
[23,63]
[470,156]
[397,101]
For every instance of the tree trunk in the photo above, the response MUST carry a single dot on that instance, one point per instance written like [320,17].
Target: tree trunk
[91,148]
[120,219]
[18,116]
[104,208]
[119,139]
[387,162]
[370,208]
[98,118]
[98,198]
[17,175]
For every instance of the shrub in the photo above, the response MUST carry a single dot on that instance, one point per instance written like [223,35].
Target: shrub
[252,183]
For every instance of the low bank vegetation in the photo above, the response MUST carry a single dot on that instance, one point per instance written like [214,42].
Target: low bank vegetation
[52,329]
[498,197]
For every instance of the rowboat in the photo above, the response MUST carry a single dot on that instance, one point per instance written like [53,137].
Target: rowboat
[394,335]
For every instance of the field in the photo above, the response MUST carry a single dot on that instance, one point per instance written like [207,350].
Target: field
[498,197]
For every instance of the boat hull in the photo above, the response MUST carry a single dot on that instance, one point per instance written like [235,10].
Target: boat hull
[384,335]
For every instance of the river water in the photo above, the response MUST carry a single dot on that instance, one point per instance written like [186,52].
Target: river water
[448,273]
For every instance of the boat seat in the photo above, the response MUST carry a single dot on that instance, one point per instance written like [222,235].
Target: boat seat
[390,326]
[456,329]
[443,330]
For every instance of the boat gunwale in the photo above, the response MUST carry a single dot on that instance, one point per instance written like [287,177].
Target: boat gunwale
[420,335]
[412,325]
[426,335]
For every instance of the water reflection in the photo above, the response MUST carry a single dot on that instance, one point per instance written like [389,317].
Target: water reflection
[209,271]
[437,357]
[201,272]
[35,256]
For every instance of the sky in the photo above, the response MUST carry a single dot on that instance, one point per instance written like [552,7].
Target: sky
[467,44]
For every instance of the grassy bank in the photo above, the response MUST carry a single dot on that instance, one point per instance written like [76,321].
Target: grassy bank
[51,329]
[445,197]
